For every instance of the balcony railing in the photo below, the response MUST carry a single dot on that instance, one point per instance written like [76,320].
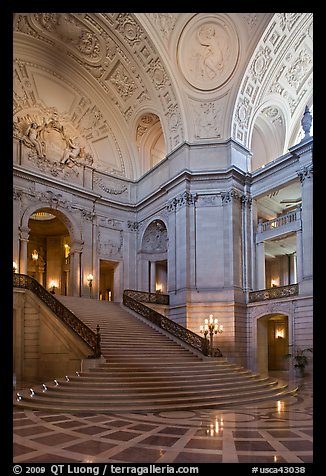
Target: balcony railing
[273,293]
[282,220]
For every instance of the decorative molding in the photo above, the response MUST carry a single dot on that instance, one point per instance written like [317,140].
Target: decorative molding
[230,194]
[111,190]
[184,199]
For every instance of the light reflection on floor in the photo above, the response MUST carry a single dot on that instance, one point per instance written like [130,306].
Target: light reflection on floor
[274,432]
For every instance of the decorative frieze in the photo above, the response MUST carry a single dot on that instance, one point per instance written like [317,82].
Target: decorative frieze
[185,199]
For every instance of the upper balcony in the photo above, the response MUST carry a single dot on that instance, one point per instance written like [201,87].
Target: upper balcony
[287,223]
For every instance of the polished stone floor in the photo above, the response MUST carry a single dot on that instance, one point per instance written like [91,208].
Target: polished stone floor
[274,432]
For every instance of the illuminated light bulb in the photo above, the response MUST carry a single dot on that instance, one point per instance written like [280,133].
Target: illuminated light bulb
[32,392]
[77,373]
[19,397]
[44,388]
[56,382]
[67,378]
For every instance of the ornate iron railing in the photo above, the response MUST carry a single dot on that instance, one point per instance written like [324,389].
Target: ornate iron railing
[92,339]
[134,300]
[151,298]
[273,293]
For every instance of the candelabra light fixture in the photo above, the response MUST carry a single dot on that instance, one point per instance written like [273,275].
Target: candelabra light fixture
[15,267]
[211,327]
[90,278]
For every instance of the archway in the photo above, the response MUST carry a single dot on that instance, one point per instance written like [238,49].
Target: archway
[48,251]
[272,343]
[154,257]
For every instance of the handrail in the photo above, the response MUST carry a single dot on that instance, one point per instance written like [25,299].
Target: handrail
[134,300]
[91,338]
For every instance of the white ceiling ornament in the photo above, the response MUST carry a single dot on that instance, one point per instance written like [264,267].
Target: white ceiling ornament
[208,51]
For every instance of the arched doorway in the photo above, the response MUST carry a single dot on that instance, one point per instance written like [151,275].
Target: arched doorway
[154,257]
[272,342]
[48,251]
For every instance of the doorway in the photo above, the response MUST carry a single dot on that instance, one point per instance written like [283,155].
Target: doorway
[108,284]
[272,342]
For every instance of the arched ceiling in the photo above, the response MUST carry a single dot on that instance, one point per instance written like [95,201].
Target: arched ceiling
[196,76]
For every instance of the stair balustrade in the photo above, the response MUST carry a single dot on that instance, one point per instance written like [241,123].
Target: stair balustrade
[134,300]
[92,339]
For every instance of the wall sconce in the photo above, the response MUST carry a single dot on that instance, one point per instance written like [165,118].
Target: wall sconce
[35,256]
[90,278]
[15,267]
[53,285]
[158,288]
[66,250]
[279,333]
[274,283]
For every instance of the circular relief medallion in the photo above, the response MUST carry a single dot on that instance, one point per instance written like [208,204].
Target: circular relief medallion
[208,51]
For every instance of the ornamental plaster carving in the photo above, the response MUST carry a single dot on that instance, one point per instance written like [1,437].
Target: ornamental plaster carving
[209,200]
[306,173]
[70,31]
[208,51]
[155,239]
[228,196]
[165,22]
[133,225]
[208,119]
[109,247]
[145,122]
[280,66]
[52,148]
[185,199]
[111,187]
[123,83]
[110,47]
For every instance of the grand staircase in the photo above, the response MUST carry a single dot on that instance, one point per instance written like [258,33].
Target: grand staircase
[144,370]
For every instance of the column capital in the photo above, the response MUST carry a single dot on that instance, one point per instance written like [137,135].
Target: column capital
[305,173]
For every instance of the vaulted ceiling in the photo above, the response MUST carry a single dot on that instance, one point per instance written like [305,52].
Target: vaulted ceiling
[134,86]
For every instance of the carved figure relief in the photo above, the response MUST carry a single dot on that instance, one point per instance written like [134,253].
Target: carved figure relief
[52,149]
[208,51]
[208,120]
[155,238]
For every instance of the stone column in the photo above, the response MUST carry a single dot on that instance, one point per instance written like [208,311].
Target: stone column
[306,178]
[152,272]
[299,255]
[75,258]
[24,237]
[260,266]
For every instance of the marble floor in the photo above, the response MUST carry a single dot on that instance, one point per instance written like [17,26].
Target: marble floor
[274,432]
